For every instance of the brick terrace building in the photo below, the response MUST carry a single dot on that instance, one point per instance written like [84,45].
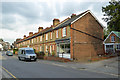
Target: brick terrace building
[77,37]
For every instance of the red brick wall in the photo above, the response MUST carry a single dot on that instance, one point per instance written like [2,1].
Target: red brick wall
[109,39]
[84,46]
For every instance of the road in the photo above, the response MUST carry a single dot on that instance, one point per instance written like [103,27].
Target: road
[22,69]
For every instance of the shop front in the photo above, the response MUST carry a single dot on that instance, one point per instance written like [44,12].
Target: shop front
[63,48]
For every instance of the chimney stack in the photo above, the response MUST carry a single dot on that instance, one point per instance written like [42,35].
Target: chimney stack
[30,33]
[73,15]
[40,29]
[55,22]
[18,39]
[24,36]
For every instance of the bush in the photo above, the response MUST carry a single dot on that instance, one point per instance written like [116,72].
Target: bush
[14,50]
[34,50]
[41,53]
[53,53]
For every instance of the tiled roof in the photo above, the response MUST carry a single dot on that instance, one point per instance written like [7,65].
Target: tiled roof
[68,22]
[64,23]
[116,33]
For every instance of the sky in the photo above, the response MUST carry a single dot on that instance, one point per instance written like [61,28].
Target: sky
[18,18]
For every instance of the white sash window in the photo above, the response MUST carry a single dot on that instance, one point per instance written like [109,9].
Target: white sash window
[64,32]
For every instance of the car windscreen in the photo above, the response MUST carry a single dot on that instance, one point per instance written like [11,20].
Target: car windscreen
[29,51]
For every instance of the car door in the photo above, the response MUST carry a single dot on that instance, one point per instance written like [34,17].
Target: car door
[22,54]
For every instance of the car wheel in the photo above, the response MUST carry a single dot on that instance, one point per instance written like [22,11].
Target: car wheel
[35,59]
[25,59]
[19,58]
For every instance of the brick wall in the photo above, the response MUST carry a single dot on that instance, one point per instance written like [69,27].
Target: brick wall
[85,46]
[117,40]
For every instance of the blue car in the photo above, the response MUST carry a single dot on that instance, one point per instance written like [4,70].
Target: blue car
[8,53]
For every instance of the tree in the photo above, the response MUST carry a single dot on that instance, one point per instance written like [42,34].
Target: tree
[106,32]
[112,15]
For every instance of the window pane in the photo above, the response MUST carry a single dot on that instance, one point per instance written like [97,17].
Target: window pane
[112,38]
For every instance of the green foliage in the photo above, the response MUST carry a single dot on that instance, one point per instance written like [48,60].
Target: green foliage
[35,50]
[53,53]
[14,50]
[41,53]
[106,33]
[112,15]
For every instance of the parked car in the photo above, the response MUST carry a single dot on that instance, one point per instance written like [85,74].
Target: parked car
[8,53]
[27,54]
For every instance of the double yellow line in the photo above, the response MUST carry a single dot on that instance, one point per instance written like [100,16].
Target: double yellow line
[9,73]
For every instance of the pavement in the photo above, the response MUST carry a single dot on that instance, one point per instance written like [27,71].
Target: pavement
[107,66]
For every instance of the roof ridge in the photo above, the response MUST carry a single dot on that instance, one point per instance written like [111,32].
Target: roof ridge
[61,24]
[63,21]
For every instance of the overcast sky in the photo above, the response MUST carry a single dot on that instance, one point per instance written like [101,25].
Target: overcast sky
[20,18]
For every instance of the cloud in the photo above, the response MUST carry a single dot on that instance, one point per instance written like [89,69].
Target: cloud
[19,18]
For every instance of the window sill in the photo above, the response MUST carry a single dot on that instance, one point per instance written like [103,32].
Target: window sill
[112,41]
[63,36]
[118,49]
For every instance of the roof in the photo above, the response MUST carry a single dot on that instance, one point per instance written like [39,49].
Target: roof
[68,22]
[64,23]
[115,32]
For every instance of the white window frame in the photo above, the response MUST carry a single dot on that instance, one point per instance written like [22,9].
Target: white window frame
[50,48]
[118,46]
[64,32]
[46,37]
[32,40]
[50,35]
[40,48]
[112,38]
[40,38]
[56,33]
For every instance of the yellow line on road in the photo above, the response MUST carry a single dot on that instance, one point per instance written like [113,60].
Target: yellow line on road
[9,73]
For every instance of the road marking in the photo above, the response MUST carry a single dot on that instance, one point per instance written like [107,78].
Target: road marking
[9,73]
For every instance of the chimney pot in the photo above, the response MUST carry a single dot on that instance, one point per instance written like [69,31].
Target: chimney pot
[40,29]
[55,22]
[24,36]
[30,33]
[73,15]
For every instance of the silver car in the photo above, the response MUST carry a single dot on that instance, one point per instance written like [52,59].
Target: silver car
[27,54]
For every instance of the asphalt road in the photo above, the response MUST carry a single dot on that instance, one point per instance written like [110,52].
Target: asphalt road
[22,69]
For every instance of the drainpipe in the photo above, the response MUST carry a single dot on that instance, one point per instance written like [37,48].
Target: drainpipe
[73,44]
[43,42]
[72,40]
